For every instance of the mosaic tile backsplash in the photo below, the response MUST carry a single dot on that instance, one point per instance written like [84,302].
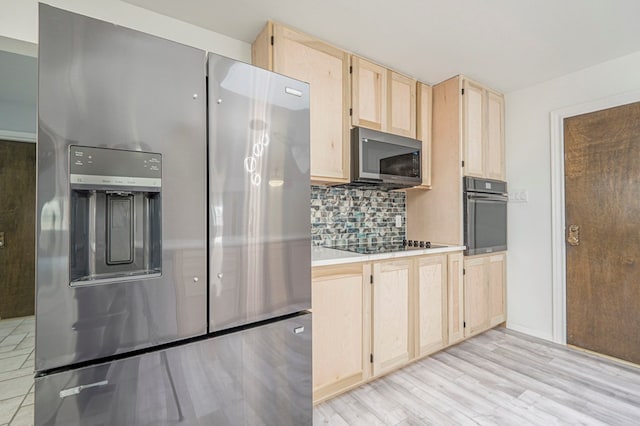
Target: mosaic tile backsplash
[356,216]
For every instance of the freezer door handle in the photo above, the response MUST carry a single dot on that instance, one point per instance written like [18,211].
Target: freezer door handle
[76,390]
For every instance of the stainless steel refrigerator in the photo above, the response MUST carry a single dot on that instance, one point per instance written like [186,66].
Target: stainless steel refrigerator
[173,240]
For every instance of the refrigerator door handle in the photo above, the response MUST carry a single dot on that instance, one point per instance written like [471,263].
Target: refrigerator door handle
[76,390]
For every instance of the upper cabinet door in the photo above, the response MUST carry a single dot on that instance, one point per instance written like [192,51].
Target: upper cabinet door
[368,94]
[326,68]
[401,105]
[495,136]
[482,131]
[382,99]
[423,129]
[473,129]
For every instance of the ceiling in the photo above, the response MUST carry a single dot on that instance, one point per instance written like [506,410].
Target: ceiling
[506,44]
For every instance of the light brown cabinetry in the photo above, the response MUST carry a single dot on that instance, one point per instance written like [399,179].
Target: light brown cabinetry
[370,319]
[401,105]
[368,94]
[455,298]
[436,215]
[497,266]
[341,324]
[382,99]
[467,139]
[326,68]
[423,129]
[431,304]
[473,128]
[494,164]
[391,324]
[483,134]
[484,292]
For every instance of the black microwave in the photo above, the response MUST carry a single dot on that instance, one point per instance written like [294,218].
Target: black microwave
[379,158]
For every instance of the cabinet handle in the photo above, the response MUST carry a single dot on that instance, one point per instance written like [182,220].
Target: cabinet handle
[574,235]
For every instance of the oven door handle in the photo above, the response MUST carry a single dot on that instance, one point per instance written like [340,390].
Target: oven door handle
[487,197]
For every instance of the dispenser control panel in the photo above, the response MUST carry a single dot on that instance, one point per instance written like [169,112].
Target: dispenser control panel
[114,167]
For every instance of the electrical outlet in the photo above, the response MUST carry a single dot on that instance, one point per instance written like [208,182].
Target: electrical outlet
[519,196]
[398,221]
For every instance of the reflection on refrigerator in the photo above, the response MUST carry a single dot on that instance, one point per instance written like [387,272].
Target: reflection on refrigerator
[174,270]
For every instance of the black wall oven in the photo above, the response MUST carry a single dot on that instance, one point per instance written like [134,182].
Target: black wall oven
[485,215]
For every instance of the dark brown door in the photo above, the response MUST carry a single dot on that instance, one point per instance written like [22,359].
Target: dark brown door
[602,193]
[17,223]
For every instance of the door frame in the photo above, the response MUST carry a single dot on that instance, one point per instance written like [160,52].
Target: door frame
[558,252]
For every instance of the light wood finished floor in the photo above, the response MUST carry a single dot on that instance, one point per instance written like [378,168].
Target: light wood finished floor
[500,377]
[17,341]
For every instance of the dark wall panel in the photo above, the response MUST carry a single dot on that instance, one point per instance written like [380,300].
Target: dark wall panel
[17,221]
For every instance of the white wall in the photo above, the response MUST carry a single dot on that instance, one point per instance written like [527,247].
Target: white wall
[17,117]
[529,291]
[19,20]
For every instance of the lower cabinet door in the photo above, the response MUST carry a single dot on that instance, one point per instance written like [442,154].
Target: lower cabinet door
[391,342]
[476,296]
[484,292]
[341,339]
[497,283]
[261,375]
[431,315]
[455,298]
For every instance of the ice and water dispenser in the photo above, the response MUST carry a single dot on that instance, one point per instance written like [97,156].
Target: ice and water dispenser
[115,223]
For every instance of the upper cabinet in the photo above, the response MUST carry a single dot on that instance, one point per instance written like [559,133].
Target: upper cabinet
[368,94]
[382,99]
[482,131]
[495,136]
[423,130]
[401,105]
[326,68]
[467,133]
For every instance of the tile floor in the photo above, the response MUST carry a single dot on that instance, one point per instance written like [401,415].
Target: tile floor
[17,342]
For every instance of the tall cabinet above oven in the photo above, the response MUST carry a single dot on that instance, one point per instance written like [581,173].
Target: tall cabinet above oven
[467,140]
[468,187]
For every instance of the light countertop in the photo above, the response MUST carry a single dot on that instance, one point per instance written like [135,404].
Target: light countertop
[324,256]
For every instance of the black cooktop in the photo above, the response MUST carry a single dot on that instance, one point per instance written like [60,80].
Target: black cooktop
[373,248]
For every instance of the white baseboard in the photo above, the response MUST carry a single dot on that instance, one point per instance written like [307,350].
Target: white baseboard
[531,332]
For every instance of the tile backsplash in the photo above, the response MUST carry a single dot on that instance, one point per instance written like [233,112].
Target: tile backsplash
[349,216]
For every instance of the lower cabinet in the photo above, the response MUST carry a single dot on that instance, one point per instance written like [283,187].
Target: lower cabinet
[341,324]
[484,292]
[390,325]
[431,304]
[456,298]
[372,318]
